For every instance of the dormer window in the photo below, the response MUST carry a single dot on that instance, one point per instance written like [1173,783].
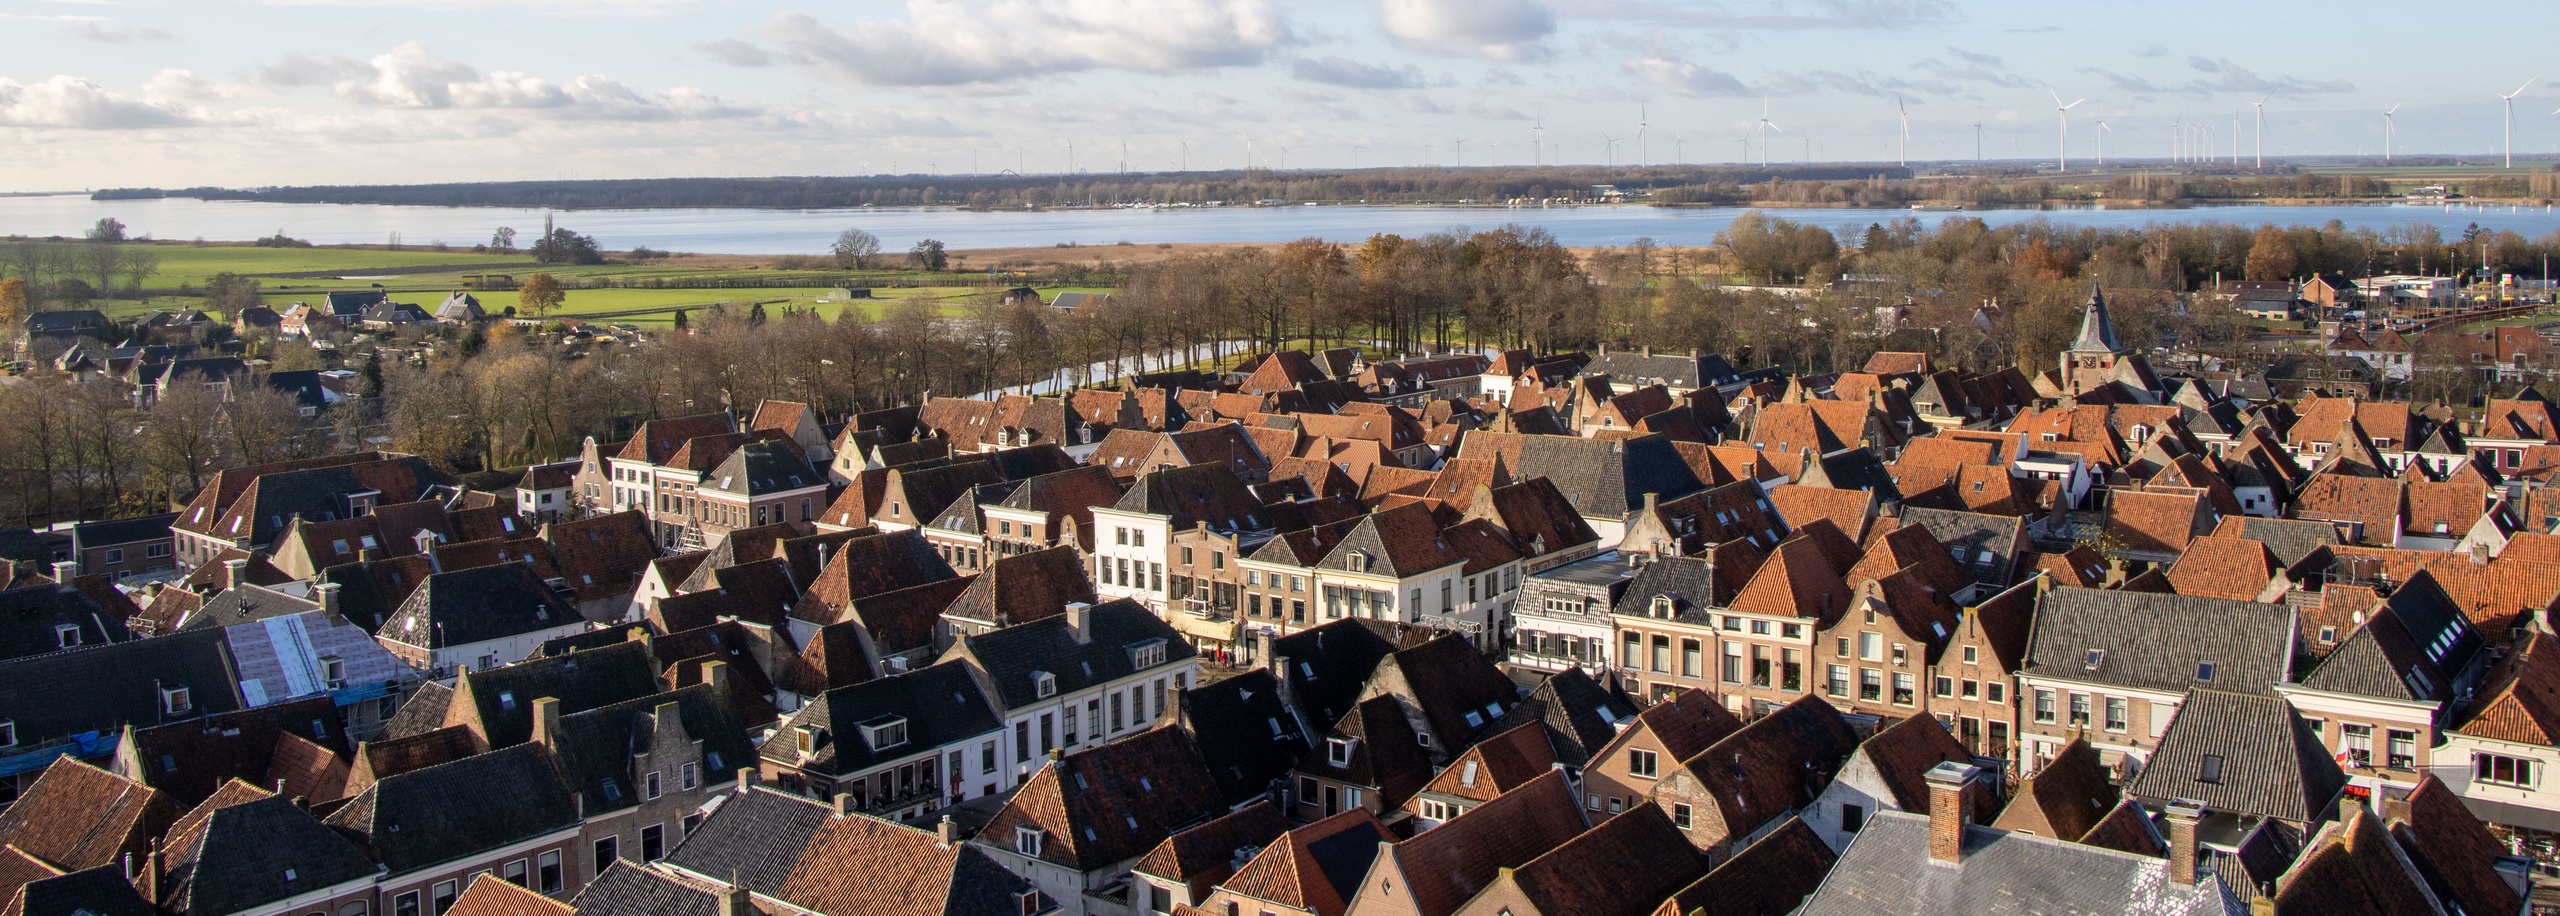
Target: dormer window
[9,734]
[176,701]
[66,636]
[2204,672]
[1029,901]
[885,732]
[1044,684]
[1662,608]
[1026,840]
[2094,658]
[1146,654]
[1337,751]
[806,739]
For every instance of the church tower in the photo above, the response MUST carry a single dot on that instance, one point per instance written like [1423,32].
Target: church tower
[2097,359]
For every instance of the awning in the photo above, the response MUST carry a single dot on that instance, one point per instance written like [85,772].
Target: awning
[2514,815]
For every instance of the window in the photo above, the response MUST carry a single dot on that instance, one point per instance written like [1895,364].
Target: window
[1642,763]
[649,784]
[444,893]
[689,776]
[1902,689]
[405,905]
[2079,709]
[1026,840]
[2403,749]
[1946,687]
[607,850]
[2502,770]
[1690,658]
[1044,684]
[1617,804]
[2204,670]
[1852,817]
[1837,681]
[2116,714]
[653,842]
[9,734]
[1971,655]
[1022,741]
[2211,770]
[2044,705]
[2355,744]
[1870,647]
[1995,691]
[513,873]
[1680,816]
[176,701]
[1870,684]
[66,635]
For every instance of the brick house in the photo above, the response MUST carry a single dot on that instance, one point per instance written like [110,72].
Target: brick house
[2112,666]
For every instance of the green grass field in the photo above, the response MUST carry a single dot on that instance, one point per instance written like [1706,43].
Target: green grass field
[424,277]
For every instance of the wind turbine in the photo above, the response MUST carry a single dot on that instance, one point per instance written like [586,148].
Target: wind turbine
[1679,155]
[1902,155]
[1458,159]
[1766,126]
[2062,153]
[2388,129]
[2261,105]
[1284,156]
[1641,127]
[1977,141]
[1538,146]
[2103,131]
[2511,120]
[2235,139]
[1609,150]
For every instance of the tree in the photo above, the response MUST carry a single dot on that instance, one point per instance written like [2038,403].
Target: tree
[2271,256]
[565,247]
[682,322]
[540,294]
[929,255]
[755,315]
[108,231]
[854,249]
[230,293]
[13,303]
[503,240]
[136,265]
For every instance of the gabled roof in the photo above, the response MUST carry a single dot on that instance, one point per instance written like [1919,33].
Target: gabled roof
[189,760]
[1446,865]
[657,440]
[469,606]
[1111,803]
[2001,874]
[426,817]
[2520,698]
[1247,735]
[1773,765]
[871,565]
[594,748]
[1606,478]
[1328,665]
[2411,650]
[2225,567]
[238,857]
[77,816]
[1904,752]
[1209,853]
[2064,800]
[1460,693]
[499,701]
[941,705]
[1771,877]
[120,685]
[2246,754]
[1402,542]
[1580,714]
[1496,765]
[1025,587]
[2160,642]
[1317,867]
[2453,849]
[2353,867]
[1623,866]
[1011,656]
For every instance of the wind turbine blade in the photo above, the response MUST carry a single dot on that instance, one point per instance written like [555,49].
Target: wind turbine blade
[2528,84]
[2057,97]
[2074,104]
[1773,125]
[2395,109]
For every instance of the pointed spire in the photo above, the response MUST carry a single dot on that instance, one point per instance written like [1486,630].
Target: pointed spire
[2097,331]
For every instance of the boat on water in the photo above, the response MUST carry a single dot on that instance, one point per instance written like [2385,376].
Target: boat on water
[1938,208]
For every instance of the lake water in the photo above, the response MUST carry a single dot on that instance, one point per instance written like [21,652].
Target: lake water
[720,231]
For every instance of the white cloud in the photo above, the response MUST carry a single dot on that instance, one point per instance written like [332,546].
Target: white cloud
[72,102]
[1339,71]
[1499,29]
[736,53]
[1676,75]
[114,33]
[961,42]
[413,77]
[185,86]
[567,7]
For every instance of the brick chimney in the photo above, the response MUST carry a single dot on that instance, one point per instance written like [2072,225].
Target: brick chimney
[844,803]
[747,779]
[734,901]
[946,832]
[716,674]
[235,571]
[1080,619]
[546,720]
[2183,818]
[1951,802]
[64,571]
[326,593]
[1262,653]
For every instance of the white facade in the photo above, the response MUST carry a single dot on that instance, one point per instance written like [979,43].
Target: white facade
[1136,543]
[1098,714]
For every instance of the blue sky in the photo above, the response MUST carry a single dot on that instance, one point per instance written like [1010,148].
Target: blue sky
[101,93]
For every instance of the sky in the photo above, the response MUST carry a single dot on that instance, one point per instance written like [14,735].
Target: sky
[244,93]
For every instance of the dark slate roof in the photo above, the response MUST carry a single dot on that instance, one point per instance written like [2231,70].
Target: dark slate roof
[448,811]
[121,531]
[756,835]
[2411,650]
[119,685]
[2270,762]
[243,856]
[2159,641]
[1607,478]
[1010,655]
[941,704]
[473,605]
[1580,714]
[1697,370]
[762,468]
[2289,539]
[57,320]
[1246,733]
[1975,533]
[594,748]
[1112,802]
[502,697]
[100,891]
[29,615]
[1887,869]
[1688,581]
[246,603]
[1328,665]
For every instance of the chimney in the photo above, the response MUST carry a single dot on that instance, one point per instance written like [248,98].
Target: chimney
[946,832]
[327,594]
[1080,619]
[1262,654]
[2183,855]
[1951,802]
[747,778]
[64,571]
[734,902]
[844,803]
[235,571]
[155,869]
[716,674]
[546,720]
[1648,350]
